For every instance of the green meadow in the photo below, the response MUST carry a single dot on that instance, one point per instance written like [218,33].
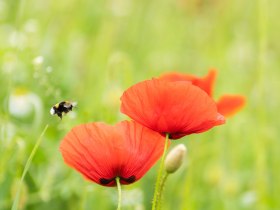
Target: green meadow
[90,51]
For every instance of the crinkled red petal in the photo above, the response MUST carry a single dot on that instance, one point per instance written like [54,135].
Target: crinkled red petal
[177,108]
[101,152]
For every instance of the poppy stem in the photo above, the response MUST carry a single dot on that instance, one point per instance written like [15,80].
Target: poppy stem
[26,167]
[161,189]
[119,192]
[156,199]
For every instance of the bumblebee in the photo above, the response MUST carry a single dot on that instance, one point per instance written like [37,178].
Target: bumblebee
[62,107]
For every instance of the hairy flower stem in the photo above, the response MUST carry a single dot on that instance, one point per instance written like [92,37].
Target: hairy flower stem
[119,192]
[27,165]
[156,199]
[161,186]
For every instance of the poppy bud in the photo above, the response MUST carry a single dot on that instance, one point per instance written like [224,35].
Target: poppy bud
[175,158]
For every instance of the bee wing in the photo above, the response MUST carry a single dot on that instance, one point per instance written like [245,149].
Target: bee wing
[74,103]
[67,104]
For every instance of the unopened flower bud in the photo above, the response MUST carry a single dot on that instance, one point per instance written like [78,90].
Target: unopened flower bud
[175,158]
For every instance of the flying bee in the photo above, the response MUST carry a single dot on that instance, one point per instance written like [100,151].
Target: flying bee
[62,107]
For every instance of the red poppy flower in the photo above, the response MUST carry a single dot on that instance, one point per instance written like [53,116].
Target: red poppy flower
[227,105]
[176,108]
[103,152]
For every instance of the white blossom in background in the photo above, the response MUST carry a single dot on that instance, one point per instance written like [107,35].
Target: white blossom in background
[18,39]
[31,26]
[49,69]
[22,103]
[38,61]
[248,198]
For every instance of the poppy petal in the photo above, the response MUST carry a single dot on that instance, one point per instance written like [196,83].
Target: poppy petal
[143,148]
[102,152]
[228,105]
[206,83]
[176,77]
[177,108]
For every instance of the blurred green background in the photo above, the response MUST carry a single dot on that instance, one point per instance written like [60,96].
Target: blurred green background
[89,51]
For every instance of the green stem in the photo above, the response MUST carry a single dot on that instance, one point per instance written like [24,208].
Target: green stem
[26,167]
[161,186]
[159,176]
[119,192]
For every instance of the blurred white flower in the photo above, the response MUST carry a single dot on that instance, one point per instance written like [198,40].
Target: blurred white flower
[248,198]
[49,69]
[17,39]
[22,103]
[38,61]
[31,26]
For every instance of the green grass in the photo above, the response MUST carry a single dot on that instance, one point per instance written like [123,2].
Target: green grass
[93,50]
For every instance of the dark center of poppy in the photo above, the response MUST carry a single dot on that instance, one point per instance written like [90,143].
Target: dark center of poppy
[129,180]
